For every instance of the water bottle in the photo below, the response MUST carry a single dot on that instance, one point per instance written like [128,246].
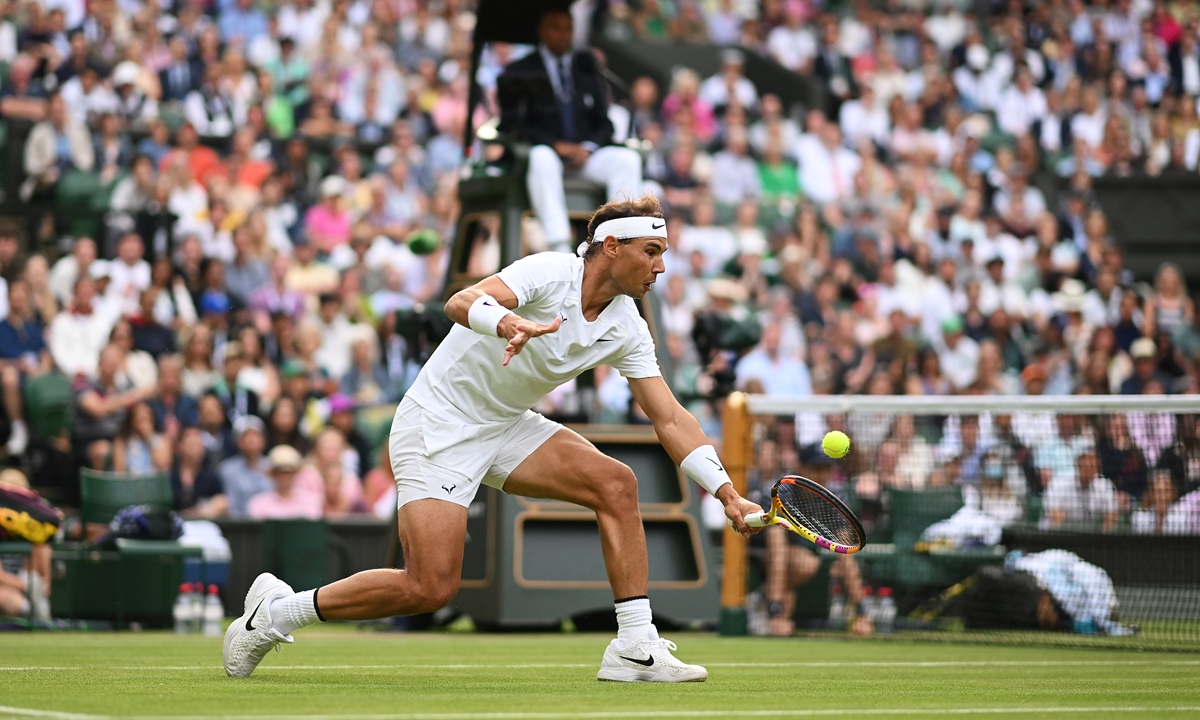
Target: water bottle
[885,621]
[214,612]
[837,609]
[197,596]
[868,607]
[182,610]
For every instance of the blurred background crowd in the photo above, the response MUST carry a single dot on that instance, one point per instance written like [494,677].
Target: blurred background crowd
[262,169]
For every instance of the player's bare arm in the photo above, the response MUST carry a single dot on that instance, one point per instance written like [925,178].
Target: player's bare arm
[681,436]
[490,298]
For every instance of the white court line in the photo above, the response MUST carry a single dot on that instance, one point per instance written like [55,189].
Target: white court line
[832,712]
[30,712]
[523,666]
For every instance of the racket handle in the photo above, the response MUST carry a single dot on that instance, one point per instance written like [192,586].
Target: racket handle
[758,519]
[755,520]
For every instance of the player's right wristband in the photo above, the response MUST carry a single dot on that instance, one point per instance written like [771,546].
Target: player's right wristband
[485,315]
[703,466]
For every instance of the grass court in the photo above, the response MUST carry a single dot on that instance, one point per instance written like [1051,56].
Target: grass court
[342,673]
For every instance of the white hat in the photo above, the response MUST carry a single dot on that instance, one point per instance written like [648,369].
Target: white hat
[126,73]
[284,457]
[1143,348]
[333,185]
[99,269]
[726,289]
[977,57]
[751,241]
[247,422]
[1069,298]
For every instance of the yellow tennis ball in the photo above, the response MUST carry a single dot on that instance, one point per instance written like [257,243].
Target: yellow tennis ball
[836,444]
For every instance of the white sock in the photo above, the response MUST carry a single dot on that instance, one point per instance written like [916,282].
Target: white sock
[634,620]
[292,612]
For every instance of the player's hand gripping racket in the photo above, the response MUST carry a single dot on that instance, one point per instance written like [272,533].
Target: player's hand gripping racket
[814,513]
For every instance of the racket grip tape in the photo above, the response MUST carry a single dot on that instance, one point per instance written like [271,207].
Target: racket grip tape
[758,519]
[755,520]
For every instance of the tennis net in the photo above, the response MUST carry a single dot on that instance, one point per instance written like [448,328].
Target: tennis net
[1065,520]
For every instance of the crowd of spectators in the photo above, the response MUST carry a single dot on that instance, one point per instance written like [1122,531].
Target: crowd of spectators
[257,169]
[932,230]
[262,165]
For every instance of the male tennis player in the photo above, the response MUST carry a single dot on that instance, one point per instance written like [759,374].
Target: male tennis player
[467,420]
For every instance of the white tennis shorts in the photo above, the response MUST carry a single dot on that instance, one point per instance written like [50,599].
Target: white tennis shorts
[437,458]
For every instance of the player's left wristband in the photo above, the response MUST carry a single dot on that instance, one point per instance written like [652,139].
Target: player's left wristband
[485,315]
[703,466]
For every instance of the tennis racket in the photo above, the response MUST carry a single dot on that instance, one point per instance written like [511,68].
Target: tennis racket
[814,513]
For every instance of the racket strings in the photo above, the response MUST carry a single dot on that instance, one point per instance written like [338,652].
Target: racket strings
[818,515]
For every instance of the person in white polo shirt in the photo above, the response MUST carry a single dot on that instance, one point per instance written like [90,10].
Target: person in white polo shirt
[466,421]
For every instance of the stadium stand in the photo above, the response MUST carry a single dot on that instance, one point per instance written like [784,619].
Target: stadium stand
[220,211]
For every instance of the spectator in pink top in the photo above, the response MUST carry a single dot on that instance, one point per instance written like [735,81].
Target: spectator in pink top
[290,499]
[328,222]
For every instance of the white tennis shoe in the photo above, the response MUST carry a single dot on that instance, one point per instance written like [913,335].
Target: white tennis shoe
[251,637]
[647,661]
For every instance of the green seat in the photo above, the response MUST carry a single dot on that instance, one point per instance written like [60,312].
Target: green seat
[297,552]
[103,494]
[913,511]
[48,404]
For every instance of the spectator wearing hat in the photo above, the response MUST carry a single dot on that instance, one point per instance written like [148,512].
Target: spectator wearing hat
[327,224]
[957,353]
[195,485]
[245,474]
[57,145]
[134,107]
[1144,353]
[286,499]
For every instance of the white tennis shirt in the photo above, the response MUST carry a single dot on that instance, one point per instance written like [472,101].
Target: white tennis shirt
[465,379]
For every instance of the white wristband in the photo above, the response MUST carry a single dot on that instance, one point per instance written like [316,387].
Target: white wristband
[703,466]
[485,314]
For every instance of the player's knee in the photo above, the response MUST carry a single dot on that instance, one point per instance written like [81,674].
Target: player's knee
[617,488]
[9,377]
[436,594]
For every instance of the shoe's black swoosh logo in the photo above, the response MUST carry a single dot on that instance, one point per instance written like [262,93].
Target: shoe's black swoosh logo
[657,227]
[250,620]
[644,663]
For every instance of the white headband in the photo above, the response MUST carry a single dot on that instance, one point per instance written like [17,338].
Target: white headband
[626,228]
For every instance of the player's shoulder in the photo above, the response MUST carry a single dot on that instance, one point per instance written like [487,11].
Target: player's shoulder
[550,265]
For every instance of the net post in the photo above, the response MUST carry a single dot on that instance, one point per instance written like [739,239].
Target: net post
[737,448]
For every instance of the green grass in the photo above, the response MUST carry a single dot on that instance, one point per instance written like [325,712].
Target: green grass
[339,672]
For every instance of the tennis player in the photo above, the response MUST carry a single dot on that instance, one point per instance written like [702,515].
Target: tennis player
[467,420]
